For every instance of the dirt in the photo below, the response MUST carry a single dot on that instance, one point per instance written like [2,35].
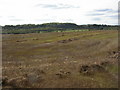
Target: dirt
[67,40]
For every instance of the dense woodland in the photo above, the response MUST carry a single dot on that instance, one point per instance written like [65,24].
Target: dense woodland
[53,27]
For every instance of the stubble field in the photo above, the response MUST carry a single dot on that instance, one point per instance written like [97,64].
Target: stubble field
[87,59]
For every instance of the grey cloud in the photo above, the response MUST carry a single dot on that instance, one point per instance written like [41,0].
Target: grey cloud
[68,20]
[96,19]
[103,10]
[106,10]
[56,6]
[114,16]
[96,14]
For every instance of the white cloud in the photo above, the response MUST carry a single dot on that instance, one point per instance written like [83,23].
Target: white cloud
[56,6]
[42,11]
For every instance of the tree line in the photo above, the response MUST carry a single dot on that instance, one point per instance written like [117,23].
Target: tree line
[53,27]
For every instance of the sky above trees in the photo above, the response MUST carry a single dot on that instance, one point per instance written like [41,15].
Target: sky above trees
[13,12]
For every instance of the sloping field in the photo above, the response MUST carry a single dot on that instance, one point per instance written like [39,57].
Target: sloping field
[86,59]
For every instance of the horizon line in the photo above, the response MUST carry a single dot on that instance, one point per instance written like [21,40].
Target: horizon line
[58,22]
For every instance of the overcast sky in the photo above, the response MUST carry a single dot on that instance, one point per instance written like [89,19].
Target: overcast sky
[13,12]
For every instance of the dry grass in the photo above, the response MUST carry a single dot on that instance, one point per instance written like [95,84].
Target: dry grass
[61,60]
